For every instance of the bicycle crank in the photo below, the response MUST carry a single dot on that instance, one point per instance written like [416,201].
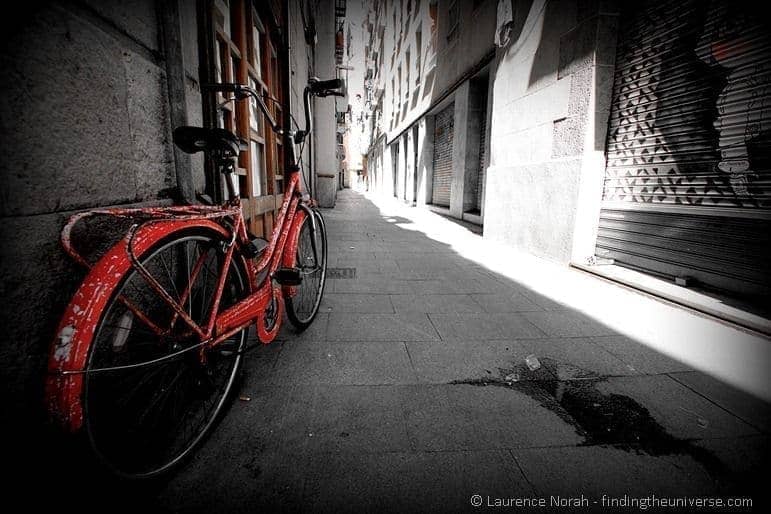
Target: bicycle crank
[270,319]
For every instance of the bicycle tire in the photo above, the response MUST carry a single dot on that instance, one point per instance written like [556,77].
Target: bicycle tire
[303,306]
[142,422]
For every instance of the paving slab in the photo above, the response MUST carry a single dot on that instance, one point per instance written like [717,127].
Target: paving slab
[410,482]
[372,284]
[435,303]
[484,326]
[480,417]
[742,464]
[348,362]
[469,361]
[358,419]
[596,471]
[744,406]
[567,324]
[356,303]
[683,413]
[641,357]
[575,357]
[505,302]
[411,392]
[314,332]
[380,327]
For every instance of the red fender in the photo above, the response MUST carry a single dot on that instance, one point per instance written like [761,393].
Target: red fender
[76,329]
[289,259]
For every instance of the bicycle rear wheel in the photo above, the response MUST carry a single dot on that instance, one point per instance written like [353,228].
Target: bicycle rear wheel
[141,421]
[302,307]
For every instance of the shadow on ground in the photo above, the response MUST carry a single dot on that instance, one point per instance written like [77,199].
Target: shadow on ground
[427,379]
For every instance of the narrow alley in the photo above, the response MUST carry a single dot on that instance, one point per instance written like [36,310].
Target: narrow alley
[549,268]
[427,379]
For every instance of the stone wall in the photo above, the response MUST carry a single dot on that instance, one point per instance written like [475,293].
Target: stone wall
[84,122]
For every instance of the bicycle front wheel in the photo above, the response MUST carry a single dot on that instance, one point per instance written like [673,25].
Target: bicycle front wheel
[302,307]
[149,399]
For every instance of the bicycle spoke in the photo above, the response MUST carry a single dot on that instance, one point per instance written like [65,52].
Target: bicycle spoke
[303,306]
[171,278]
[143,419]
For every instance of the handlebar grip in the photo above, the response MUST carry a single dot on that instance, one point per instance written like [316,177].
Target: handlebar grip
[326,85]
[224,87]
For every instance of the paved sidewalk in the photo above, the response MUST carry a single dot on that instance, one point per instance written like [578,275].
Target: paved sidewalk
[411,391]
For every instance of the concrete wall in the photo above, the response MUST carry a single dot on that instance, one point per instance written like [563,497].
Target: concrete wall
[425,159]
[551,98]
[84,122]
[188,21]
[324,108]
[475,40]
[301,60]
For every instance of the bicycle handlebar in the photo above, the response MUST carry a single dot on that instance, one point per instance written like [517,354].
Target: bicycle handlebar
[315,87]
[241,91]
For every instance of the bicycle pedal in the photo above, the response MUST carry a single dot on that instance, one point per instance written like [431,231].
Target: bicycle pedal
[288,276]
[254,247]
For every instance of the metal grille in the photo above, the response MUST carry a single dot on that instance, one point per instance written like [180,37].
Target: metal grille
[341,273]
[443,133]
[687,188]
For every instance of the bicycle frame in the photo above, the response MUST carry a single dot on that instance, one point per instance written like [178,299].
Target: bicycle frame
[78,326]
[79,323]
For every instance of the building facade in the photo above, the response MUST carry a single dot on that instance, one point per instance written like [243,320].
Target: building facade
[91,93]
[632,142]
[427,80]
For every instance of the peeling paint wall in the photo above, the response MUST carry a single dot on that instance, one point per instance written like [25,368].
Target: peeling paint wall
[84,122]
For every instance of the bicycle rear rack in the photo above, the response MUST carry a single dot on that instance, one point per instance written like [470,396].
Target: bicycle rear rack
[142,216]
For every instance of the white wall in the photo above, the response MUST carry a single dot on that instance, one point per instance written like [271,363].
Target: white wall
[549,116]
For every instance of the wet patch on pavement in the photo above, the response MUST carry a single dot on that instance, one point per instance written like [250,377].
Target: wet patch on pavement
[601,418]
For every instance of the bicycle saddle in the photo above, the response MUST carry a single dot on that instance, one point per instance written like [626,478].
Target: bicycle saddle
[199,139]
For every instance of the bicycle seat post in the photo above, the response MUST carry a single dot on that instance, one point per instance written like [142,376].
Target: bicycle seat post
[226,164]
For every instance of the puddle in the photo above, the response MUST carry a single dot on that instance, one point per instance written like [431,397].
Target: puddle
[600,417]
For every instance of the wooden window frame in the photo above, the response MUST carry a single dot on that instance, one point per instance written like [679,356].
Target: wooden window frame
[239,57]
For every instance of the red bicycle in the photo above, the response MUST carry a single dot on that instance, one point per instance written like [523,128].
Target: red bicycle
[148,350]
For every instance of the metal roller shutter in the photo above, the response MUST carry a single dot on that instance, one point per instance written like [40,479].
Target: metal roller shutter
[687,188]
[442,181]
[482,157]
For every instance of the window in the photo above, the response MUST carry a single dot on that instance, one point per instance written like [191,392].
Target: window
[407,84]
[418,51]
[257,169]
[398,85]
[245,38]
[452,20]
[432,45]
[395,31]
[255,48]
[393,102]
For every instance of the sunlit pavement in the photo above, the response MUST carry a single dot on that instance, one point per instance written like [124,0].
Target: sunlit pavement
[443,366]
